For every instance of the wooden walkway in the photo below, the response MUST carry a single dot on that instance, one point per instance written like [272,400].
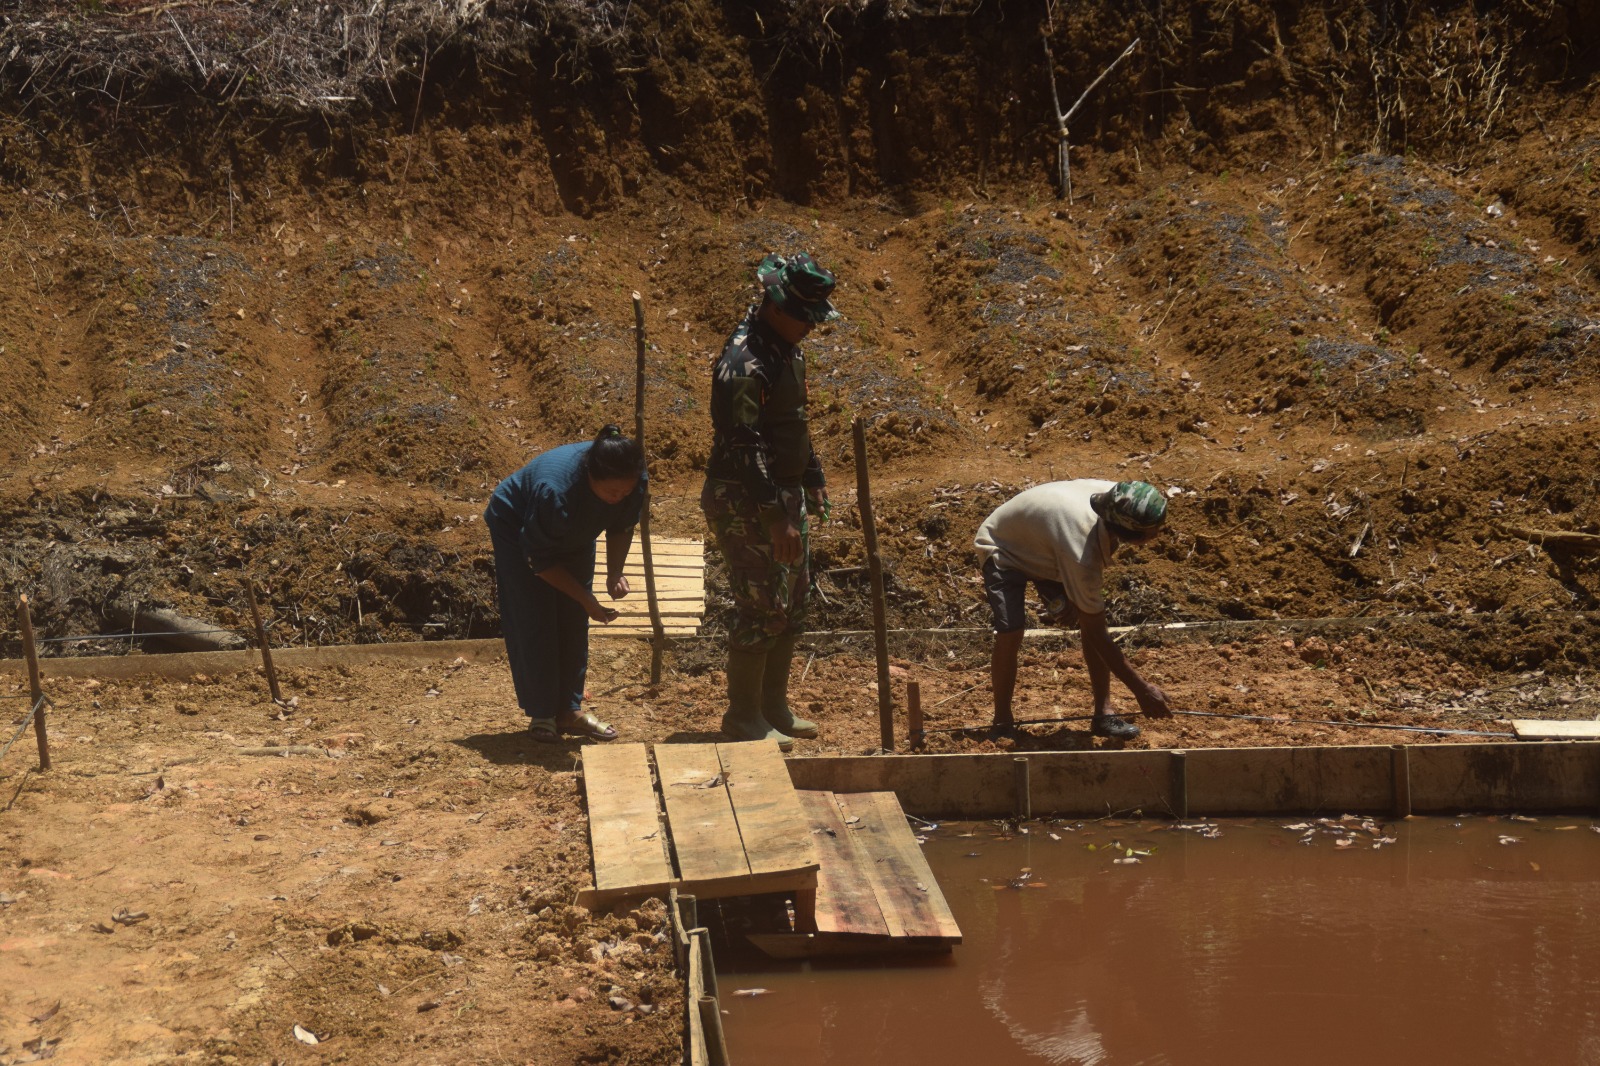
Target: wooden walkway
[875,892]
[733,824]
[721,820]
[680,567]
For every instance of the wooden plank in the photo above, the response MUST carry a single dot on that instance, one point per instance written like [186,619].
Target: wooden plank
[772,826]
[1538,729]
[1516,776]
[624,828]
[660,548]
[845,900]
[905,887]
[1336,780]
[694,1025]
[705,836]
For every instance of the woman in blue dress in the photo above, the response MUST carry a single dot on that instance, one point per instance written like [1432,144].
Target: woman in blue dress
[543,521]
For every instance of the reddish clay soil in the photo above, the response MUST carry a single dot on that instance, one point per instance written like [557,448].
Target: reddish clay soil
[1356,345]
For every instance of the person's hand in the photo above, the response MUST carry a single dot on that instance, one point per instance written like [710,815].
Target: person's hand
[785,542]
[617,586]
[1153,702]
[817,503]
[599,612]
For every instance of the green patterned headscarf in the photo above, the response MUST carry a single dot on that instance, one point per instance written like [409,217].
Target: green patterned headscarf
[1136,506]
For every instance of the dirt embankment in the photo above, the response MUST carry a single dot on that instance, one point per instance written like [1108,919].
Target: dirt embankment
[305,351]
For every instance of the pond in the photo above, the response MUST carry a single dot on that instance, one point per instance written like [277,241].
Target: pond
[1239,941]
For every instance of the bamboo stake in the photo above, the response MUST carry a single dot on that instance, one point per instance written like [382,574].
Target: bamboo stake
[1179,779]
[711,1020]
[261,639]
[35,690]
[1400,777]
[657,633]
[880,636]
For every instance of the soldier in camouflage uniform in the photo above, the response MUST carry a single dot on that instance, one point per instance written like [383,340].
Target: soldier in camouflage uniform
[762,482]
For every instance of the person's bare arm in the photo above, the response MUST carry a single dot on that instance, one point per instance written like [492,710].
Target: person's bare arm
[617,545]
[560,579]
[1097,640]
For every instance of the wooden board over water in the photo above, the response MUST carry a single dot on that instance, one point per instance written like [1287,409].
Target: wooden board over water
[892,860]
[875,892]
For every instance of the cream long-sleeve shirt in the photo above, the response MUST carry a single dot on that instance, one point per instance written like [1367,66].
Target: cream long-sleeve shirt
[1051,532]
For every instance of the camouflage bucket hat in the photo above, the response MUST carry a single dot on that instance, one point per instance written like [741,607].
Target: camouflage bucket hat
[798,286]
[1136,505]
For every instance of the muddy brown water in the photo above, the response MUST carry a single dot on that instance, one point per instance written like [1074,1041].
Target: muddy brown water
[1472,940]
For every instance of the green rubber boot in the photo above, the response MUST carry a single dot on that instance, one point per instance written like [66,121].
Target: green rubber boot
[775,692]
[743,720]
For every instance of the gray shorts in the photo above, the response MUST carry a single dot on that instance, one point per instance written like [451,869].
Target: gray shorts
[1007,589]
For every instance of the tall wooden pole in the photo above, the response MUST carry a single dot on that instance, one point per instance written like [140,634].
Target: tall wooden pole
[914,732]
[658,637]
[261,639]
[880,634]
[35,690]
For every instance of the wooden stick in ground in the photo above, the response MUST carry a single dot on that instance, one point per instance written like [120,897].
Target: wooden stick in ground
[658,637]
[35,690]
[1063,158]
[261,639]
[880,636]
[914,734]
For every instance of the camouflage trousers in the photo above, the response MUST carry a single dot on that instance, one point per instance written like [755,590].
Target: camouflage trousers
[770,597]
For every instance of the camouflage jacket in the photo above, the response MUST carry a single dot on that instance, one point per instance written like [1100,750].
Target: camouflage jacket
[761,438]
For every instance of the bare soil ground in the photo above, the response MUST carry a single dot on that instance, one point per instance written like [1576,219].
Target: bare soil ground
[1355,342]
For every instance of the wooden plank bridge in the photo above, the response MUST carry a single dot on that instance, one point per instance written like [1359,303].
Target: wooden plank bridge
[725,820]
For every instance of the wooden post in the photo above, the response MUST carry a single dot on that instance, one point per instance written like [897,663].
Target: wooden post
[1400,774]
[36,698]
[1024,787]
[914,733]
[694,1030]
[711,1022]
[658,637]
[261,638]
[1180,785]
[684,918]
[880,636]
